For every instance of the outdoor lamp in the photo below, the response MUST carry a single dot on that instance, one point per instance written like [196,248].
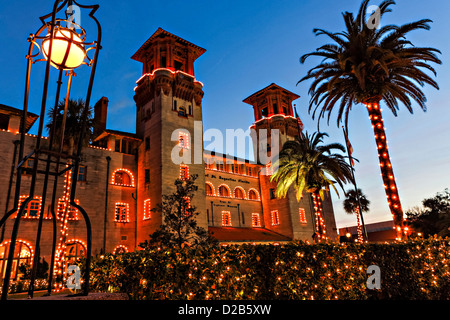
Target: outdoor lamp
[68,50]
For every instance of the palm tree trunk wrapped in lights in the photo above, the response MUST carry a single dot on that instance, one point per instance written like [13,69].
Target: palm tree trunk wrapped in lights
[368,64]
[387,173]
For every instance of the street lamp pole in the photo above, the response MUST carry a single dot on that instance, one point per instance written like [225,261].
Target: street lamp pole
[65,49]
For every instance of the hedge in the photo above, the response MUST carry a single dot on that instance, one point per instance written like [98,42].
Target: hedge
[409,270]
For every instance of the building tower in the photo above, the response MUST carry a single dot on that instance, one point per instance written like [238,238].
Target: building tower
[273,110]
[169,109]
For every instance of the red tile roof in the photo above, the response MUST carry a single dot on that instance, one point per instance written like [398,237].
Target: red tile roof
[245,234]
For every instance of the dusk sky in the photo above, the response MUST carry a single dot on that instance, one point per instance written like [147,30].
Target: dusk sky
[251,44]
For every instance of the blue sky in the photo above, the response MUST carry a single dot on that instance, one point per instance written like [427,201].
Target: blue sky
[251,44]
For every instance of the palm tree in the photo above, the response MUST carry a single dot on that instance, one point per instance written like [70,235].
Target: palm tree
[74,118]
[368,65]
[307,164]
[355,200]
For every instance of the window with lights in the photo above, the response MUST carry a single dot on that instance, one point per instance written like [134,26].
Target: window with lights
[33,209]
[184,172]
[147,209]
[64,207]
[183,140]
[275,218]
[122,211]
[226,219]
[256,220]
[302,214]
[123,177]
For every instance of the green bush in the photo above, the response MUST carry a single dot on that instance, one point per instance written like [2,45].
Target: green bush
[409,270]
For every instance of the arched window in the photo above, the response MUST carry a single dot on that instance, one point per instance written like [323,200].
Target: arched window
[75,249]
[209,189]
[120,249]
[253,194]
[123,177]
[33,209]
[239,193]
[224,191]
[23,255]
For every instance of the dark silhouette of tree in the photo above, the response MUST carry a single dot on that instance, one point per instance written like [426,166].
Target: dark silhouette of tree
[179,227]
[434,217]
[74,119]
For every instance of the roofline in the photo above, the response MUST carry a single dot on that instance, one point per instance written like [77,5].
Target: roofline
[293,95]
[160,30]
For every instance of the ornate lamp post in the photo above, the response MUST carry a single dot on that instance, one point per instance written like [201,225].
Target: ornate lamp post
[66,49]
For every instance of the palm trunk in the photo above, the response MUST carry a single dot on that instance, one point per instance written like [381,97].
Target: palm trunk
[387,172]
[320,222]
[359,226]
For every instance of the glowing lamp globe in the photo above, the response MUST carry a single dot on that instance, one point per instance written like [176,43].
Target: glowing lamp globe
[68,50]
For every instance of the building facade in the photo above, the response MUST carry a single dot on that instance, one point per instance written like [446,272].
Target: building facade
[124,175]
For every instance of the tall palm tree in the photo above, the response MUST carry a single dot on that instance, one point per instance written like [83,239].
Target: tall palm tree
[307,164]
[367,65]
[74,118]
[352,203]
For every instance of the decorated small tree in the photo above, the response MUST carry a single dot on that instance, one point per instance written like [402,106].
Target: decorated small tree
[179,227]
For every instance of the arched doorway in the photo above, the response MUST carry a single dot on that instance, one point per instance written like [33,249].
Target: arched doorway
[23,254]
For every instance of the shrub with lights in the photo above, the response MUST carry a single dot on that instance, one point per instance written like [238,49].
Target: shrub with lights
[417,269]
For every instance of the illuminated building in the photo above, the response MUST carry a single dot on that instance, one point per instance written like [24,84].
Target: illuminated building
[124,175]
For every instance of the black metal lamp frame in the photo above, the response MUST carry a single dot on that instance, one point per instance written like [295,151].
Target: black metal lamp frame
[52,157]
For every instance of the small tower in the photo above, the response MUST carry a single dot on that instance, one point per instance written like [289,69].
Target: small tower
[169,104]
[273,110]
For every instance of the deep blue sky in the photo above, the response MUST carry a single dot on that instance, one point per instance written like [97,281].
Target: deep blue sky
[251,44]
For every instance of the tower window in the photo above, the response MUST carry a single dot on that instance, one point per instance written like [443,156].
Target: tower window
[275,218]
[163,62]
[302,214]
[256,221]
[174,105]
[178,65]
[147,143]
[184,172]
[182,112]
[275,108]
[183,140]
[147,175]
[272,193]
[147,209]
[265,112]
[121,212]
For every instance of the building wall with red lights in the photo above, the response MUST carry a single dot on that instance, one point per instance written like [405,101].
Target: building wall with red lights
[124,174]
